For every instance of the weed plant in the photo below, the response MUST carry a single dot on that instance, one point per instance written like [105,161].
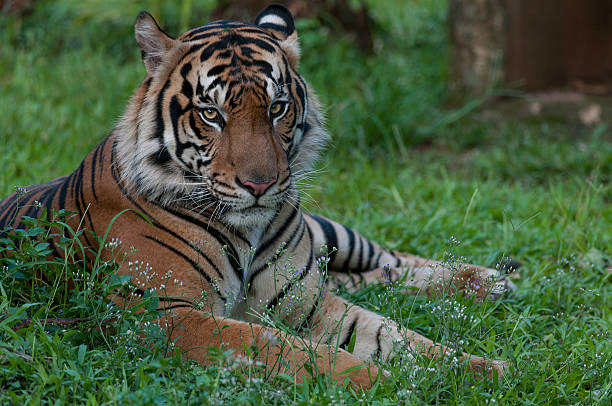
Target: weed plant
[413,172]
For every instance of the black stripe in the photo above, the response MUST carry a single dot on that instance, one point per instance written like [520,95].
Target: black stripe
[351,244]
[376,261]
[398,261]
[274,27]
[311,248]
[347,338]
[176,306]
[297,237]
[62,192]
[80,200]
[93,171]
[174,299]
[378,344]
[101,157]
[217,70]
[330,235]
[176,111]
[359,266]
[370,254]
[49,208]
[266,244]
[262,43]
[6,206]
[160,157]
[159,120]
[279,231]
[232,252]
[31,209]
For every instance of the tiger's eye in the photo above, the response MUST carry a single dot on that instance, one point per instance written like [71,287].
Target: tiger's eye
[276,108]
[210,114]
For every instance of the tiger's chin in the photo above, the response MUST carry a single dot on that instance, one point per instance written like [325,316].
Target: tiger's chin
[249,217]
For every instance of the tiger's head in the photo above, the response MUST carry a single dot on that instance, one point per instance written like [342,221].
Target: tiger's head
[222,121]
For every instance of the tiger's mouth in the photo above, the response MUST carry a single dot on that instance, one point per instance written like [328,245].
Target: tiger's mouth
[249,217]
[234,206]
[254,211]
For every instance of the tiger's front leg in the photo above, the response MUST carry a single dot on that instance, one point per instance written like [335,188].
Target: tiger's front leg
[356,262]
[194,332]
[337,320]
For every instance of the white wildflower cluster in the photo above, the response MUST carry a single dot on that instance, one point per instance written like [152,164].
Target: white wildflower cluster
[20,190]
[322,261]
[166,277]
[112,311]
[589,292]
[449,309]
[412,374]
[454,241]
[84,278]
[142,272]
[596,364]
[176,282]
[113,243]
[202,300]
[303,294]
[335,399]
[131,343]
[78,276]
[453,261]
[216,283]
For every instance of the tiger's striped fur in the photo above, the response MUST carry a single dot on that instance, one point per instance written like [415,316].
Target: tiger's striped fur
[209,150]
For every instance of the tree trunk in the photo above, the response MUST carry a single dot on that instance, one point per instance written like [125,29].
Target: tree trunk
[531,45]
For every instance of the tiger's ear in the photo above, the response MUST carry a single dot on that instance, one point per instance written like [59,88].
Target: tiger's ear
[277,21]
[152,40]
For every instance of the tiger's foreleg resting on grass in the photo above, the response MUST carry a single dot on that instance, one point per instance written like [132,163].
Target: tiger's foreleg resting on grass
[196,332]
[358,262]
[376,336]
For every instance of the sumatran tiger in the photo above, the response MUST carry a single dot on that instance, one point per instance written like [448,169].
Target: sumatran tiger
[208,151]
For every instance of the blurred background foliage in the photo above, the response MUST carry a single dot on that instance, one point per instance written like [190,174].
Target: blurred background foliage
[393,97]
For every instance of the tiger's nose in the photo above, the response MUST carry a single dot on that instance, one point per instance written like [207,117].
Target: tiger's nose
[257,188]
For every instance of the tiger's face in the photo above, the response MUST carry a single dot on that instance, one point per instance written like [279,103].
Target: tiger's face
[223,121]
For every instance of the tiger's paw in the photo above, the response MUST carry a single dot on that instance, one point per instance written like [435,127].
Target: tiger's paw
[489,368]
[488,283]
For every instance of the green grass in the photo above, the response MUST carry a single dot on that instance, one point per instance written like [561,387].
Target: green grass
[402,169]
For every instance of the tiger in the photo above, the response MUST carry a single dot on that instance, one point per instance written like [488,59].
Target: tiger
[204,167]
